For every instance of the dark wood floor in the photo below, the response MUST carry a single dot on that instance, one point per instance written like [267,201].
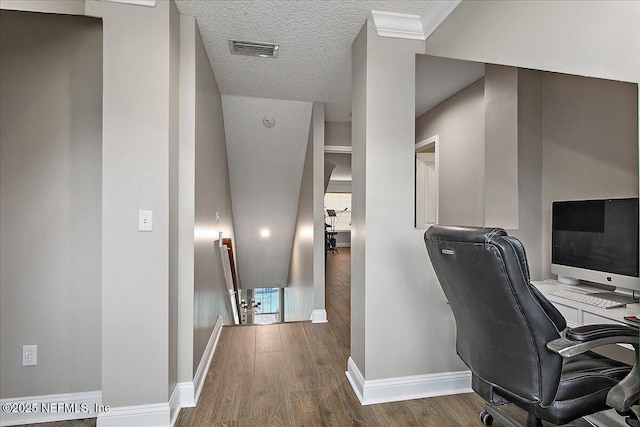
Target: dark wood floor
[292,374]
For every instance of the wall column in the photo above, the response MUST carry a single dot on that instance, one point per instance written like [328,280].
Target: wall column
[137,138]
[396,301]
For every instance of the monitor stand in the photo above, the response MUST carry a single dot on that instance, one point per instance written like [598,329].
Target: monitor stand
[568,280]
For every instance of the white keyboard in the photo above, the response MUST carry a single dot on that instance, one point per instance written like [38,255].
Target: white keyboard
[587,299]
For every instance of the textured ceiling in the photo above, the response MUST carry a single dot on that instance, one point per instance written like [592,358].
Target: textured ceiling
[315,37]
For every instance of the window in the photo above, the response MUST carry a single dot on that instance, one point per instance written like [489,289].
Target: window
[340,203]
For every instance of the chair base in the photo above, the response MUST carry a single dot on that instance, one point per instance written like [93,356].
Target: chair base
[493,413]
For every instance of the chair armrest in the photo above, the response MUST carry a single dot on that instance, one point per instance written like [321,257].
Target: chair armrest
[583,338]
[592,332]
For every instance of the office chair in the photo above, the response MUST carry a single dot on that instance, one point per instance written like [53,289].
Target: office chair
[514,340]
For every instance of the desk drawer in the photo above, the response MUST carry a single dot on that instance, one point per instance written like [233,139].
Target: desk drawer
[591,318]
[570,314]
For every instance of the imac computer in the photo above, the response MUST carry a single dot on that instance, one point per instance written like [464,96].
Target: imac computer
[597,241]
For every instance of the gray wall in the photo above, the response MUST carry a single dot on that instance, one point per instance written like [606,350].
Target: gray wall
[358,195]
[212,194]
[137,142]
[394,292]
[317,126]
[529,158]
[576,139]
[50,202]
[298,295]
[460,123]
[174,136]
[576,39]
[590,143]
[337,133]
[501,146]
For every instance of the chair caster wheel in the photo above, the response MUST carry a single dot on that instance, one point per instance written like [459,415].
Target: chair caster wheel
[486,418]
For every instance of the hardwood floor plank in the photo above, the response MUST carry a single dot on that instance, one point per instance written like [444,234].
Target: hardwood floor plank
[270,404]
[268,338]
[233,399]
[302,373]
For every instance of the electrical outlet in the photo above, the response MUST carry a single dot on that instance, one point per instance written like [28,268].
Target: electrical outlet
[29,355]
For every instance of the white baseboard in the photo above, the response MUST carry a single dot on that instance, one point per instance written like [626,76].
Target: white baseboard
[151,415]
[203,367]
[52,407]
[406,388]
[71,406]
[182,397]
[343,245]
[319,316]
[186,393]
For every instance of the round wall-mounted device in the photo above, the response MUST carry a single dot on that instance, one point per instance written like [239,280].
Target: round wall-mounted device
[269,121]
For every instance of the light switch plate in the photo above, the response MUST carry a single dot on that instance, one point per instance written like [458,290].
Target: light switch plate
[145,220]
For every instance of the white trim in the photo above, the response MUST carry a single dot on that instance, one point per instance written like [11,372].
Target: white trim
[413,27]
[186,393]
[148,3]
[203,367]
[427,142]
[319,316]
[174,405]
[338,149]
[398,25]
[406,388]
[343,245]
[435,141]
[151,415]
[82,405]
[355,379]
[436,13]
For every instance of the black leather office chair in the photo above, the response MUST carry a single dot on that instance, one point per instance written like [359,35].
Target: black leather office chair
[511,337]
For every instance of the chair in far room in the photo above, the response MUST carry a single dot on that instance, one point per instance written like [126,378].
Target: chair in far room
[513,339]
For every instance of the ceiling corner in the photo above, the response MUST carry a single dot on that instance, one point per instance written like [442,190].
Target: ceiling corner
[435,14]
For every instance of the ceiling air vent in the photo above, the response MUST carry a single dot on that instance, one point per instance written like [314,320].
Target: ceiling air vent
[264,50]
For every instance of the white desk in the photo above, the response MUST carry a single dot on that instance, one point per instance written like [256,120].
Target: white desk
[578,314]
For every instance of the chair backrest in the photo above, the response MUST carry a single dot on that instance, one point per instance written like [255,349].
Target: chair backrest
[503,322]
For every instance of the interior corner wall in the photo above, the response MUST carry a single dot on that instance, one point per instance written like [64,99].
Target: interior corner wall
[358,195]
[50,202]
[337,133]
[299,292]
[319,250]
[135,175]
[460,123]
[590,143]
[501,146]
[529,122]
[174,136]
[211,194]
[186,196]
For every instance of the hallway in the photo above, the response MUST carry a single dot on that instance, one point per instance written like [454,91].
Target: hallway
[292,374]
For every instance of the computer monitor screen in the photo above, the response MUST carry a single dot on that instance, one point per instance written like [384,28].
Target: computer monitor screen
[597,241]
